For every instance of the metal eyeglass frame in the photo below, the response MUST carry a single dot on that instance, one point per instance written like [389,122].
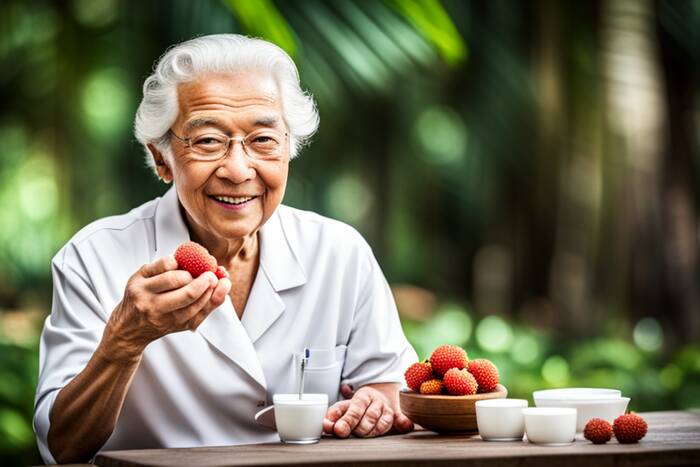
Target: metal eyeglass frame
[188,144]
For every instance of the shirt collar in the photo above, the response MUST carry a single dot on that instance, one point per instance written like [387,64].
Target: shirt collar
[278,257]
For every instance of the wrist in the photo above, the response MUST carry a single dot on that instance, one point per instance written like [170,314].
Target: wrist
[114,348]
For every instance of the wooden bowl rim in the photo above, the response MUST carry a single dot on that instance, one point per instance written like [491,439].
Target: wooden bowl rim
[500,389]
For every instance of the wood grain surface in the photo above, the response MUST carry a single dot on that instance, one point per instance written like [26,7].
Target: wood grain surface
[673,439]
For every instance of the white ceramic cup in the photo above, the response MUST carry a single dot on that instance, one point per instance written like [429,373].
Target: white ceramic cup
[501,419]
[300,421]
[550,426]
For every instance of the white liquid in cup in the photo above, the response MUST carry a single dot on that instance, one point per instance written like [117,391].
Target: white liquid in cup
[300,421]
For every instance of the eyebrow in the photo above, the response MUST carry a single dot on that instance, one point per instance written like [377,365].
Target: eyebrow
[267,121]
[270,122]
[201,122]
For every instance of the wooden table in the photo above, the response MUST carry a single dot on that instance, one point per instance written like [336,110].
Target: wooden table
[673,439]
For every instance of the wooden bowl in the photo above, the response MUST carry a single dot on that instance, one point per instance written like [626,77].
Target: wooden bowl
[445,413]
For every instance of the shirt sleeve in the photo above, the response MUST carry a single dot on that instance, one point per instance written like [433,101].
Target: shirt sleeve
[70,335]
[377,349]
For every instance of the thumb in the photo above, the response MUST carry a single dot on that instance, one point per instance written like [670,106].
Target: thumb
[347,391]
[333,414]
[402,424]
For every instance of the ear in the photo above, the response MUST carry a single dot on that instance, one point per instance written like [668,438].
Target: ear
[164,171]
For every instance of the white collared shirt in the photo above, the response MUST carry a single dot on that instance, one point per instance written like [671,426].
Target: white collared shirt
[318,286]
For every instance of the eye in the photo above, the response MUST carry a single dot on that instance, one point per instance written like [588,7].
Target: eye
[208,142]
[264,139]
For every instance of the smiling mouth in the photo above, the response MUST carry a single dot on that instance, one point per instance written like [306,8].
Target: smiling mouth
[231,200]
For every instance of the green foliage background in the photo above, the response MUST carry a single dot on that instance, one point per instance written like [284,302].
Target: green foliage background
[526,172]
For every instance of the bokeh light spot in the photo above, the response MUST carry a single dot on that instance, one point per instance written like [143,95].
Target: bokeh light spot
[648,335]
[494,335]
[452,325]
[37,207]
[556,371]
[106,102]
[525,349]
[442,134]
[95,13]
[671,377]
[349,199]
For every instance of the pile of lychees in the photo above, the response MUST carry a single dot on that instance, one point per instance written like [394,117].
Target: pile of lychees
[627,428]
[449,370]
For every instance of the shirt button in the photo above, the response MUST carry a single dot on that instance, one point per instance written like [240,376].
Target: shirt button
[261,404]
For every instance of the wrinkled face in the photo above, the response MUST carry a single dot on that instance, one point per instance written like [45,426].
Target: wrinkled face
[234,105]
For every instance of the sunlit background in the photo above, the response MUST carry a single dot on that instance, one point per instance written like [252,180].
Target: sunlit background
[526,172]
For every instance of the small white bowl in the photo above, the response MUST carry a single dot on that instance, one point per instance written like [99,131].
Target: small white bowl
[576,394]
[501,419]
[587,409]
[550,426]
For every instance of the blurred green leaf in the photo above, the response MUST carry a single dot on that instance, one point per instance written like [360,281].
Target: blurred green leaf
[261,18]
[431,19]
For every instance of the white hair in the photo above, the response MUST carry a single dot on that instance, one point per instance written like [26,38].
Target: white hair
[218,53]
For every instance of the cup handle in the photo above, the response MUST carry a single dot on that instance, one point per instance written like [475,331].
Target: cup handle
[266,418]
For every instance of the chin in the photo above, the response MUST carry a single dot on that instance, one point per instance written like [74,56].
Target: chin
[239,230]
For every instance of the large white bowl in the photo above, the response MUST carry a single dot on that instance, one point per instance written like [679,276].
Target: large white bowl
[577,394]
[608,409]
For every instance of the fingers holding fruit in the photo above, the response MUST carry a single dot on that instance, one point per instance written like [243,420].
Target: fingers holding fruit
[171,294]
[215,299]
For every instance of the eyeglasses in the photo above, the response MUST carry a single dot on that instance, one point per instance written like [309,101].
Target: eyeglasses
[261,145]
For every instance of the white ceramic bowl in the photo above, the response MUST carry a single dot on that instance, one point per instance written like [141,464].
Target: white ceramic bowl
[576,394]
[587,409]
[550,426]
[501,419]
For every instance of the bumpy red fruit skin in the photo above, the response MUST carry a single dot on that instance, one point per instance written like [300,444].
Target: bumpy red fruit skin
[447,357]
[485,373]
[221,272]
[195,259]
[598,431]
[629,428]
[417,374]
[432,386]
[460,382]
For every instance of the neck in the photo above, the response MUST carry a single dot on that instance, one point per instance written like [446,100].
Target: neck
[227,251]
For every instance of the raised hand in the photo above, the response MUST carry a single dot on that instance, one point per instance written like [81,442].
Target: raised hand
[158,300]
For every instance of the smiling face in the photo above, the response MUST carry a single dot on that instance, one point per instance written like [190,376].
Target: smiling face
[232,197]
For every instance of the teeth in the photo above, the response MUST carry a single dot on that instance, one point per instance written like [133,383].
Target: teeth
[229,200]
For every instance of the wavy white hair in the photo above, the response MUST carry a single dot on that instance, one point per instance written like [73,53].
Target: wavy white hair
[218,53]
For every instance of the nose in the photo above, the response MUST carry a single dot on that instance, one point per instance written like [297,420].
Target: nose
[236,166]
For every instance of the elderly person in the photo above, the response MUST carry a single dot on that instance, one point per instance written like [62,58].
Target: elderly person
[138,354]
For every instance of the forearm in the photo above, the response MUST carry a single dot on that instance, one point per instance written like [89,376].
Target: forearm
[86,410]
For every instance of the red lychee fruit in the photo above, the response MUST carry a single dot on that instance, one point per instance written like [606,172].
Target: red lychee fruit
[432,386]
[447,357]
[417,374]
[485,373]
[221,272]
[460,382]
[598,431]
[195,259]
[629,428]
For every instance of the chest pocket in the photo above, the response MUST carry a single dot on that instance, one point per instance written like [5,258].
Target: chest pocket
[323,371]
